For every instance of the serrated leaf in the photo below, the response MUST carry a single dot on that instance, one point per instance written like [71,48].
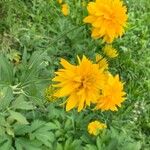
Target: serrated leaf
[21,129]
[76,144]
[6,70]
[45,137]
[5,143]
[68,124]
[36,124]
[26,144]
[18,117]
[32,69]
[52,126]
[7,98]
[20,103]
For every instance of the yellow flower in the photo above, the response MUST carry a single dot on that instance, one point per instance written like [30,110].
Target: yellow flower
[83,3]
[65,9]
[95,127]
[60,1]
[49,93]
[81,83]
[108,19]
[110,51]
[112,94]
[15,56]
[102,62]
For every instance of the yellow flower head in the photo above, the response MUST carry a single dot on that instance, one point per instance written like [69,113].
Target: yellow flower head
[112,94]
[60,1]
[95,127]
[81,83]
[49,93]
[65,9]
[108,19]
[102,62]
[110,51]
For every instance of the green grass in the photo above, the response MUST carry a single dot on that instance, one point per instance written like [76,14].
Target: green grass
[37,32]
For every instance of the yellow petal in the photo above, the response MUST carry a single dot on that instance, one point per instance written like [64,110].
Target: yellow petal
[71,102]
[65,64]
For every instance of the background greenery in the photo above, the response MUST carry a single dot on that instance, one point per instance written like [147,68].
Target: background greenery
[34,35]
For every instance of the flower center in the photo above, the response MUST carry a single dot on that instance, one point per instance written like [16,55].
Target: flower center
[85,82]
[109,16]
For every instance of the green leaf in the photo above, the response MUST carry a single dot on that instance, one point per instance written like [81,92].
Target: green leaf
[36,124]
[113,143]
[20,103]
[44,135]
[26,144]
[2,120]
[67,144]
[76,144]
[90,147]
[31,70]
[6,98]
[5,143]
[10,131]
[132,146]
[98,143]
[72,144]
[52,126]
[2,131]
[59,146]
[18,117]
[6,70]
[22,129]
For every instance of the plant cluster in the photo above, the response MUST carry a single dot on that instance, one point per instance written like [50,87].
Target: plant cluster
[75,106]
